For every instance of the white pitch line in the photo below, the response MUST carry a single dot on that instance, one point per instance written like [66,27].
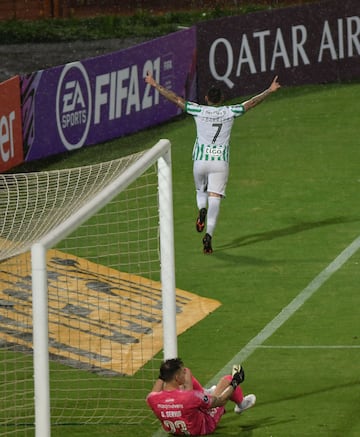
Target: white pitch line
[340,346]
[290,309]
[285,314]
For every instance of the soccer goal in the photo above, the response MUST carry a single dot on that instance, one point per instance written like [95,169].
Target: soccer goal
[87,300]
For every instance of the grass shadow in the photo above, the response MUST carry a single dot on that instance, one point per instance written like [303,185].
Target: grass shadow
[247,240]
[329,389]
[246,430]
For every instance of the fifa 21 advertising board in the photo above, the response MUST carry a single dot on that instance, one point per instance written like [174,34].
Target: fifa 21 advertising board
[11,147]
[97,99]
[314,43]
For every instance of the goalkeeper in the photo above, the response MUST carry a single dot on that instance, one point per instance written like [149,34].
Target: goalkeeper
[211,150]
[184,407]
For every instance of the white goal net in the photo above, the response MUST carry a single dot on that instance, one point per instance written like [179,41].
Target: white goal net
[82,294]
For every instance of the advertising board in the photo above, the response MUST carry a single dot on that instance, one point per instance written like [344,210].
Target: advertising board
[11,148]
[313,43]
[98,99]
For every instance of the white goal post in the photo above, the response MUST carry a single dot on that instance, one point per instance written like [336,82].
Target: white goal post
[24,231]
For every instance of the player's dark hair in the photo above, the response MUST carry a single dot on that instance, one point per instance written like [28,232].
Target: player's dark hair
[169,368]
[214,95]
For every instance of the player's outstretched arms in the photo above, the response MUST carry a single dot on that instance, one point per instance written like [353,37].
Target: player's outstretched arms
[274,86]
[168,94]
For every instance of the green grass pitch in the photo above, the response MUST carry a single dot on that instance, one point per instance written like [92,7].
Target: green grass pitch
[292,207]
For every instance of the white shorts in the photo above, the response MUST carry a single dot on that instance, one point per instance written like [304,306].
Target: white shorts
[211,176]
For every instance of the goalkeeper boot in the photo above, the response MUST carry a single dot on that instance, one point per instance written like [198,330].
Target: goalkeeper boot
[207,244]
[200,221]
[245,404]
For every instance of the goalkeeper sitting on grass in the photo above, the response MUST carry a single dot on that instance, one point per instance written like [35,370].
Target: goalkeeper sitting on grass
[184,407]
[214,122]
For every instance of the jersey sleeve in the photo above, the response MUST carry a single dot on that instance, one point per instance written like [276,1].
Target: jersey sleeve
[202,399]
[237,110]
[192,108]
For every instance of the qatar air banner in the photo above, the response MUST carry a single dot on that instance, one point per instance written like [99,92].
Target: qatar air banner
[97,99]
[313,43]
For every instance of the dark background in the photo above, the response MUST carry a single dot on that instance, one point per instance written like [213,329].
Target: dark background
[37,9]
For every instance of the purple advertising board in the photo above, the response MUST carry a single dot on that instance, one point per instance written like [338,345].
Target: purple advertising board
[313,43]
[97,99]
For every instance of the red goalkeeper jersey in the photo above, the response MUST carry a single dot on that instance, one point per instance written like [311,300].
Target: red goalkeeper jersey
[185,412]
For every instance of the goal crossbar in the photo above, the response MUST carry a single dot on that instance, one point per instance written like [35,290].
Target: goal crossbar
[157,152]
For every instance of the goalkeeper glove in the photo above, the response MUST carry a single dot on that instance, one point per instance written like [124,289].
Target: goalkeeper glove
[238,376]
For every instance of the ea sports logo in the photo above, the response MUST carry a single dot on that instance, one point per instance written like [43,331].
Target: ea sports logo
[73,105]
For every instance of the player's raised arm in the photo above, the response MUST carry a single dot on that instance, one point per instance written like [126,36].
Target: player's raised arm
[158,385]
[168,94]
[188,383]
[262,96]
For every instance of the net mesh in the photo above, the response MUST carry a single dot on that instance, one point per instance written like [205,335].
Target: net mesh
[104,296]
[35,203]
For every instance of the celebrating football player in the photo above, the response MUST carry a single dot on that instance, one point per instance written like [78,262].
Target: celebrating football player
[211,151]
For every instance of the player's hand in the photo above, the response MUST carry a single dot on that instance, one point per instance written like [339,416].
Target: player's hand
[149,79]
[238,376]
[274,85]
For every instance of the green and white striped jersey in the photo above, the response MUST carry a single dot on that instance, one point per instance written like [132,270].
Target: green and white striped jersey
[213,127]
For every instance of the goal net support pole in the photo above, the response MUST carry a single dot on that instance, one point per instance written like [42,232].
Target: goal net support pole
[160,153]
[167,257]
[40,341]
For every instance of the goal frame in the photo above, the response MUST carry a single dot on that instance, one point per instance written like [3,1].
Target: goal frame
[160,153]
